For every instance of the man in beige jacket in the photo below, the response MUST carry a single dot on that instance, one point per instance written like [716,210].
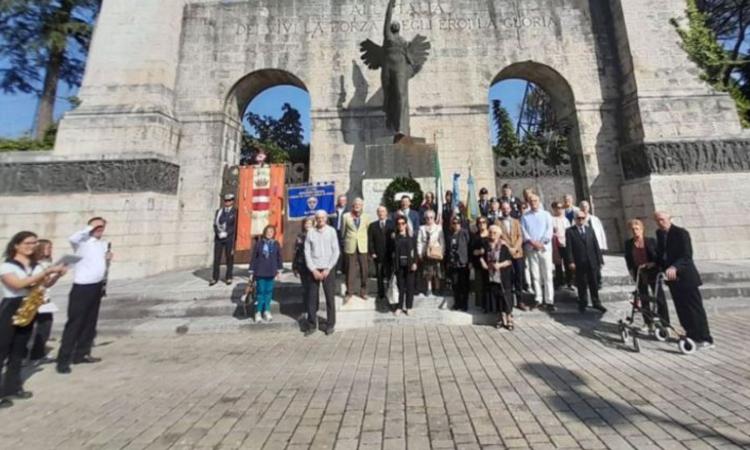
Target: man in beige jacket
[354,230]
[513,236]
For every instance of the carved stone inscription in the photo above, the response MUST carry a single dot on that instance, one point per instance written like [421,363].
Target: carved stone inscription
[135,175]
[686,157]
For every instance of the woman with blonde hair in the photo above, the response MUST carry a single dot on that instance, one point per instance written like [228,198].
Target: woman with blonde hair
[498,262]
[641,256]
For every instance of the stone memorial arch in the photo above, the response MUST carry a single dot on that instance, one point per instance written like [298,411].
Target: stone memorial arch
[167,80]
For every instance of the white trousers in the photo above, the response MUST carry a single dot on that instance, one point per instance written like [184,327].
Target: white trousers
[541,267]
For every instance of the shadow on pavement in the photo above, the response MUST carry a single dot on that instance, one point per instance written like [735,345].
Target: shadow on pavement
[574,399]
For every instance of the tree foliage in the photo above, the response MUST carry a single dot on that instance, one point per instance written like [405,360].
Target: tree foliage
[285,133]
[507,140]
[252,146]
[714,39]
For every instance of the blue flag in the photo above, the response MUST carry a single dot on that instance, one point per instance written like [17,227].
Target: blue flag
[454,203]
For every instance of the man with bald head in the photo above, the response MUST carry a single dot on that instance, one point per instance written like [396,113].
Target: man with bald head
[380,246]
[675,256]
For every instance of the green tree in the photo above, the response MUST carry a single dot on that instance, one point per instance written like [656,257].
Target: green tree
[44,42]
[507,140]
[286,132]
[701,42]
[252,146]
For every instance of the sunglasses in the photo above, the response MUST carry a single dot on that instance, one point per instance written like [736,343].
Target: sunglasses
[580,218]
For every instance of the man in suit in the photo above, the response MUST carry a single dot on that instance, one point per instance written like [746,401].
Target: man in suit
[355,250]
[513,236]
[336,220]
[583,255]
[412,217]
[675,256]
[380,246]
[484,202]
[225,230]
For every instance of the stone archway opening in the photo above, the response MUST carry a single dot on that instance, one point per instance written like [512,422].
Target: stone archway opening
[539,107]
[271,95]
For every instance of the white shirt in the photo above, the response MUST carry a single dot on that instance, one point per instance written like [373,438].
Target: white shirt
[92,267]
[7,268]
[596,224]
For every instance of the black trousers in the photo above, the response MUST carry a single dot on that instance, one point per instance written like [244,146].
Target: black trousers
[13,343]
[382,274]
[518,275]
[646,282]
[689,305]
[405,280]
[313,299]
[460,284]
[80,329]
[225,246]
[586,280]
[563,275]
[42,331]
[482,289]
[502,298]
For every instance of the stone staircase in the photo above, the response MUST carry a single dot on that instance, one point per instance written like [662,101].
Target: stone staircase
[182,302]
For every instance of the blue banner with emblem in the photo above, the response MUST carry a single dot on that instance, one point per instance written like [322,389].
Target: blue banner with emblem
[305,200]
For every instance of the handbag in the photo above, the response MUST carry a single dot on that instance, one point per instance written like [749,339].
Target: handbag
[392,290]
[434,249]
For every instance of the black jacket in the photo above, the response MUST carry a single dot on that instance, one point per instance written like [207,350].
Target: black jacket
[229,219]
[674,249]
[404,251]
[380,242]
[651,254]
[458,257]
[583,250]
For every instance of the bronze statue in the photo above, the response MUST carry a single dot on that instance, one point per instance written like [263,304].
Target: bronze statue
[398,60]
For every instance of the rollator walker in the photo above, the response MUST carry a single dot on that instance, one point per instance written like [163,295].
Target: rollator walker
[662,332]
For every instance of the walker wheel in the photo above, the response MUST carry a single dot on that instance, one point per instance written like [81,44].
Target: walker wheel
[687,346]
[661,334]
[636,344]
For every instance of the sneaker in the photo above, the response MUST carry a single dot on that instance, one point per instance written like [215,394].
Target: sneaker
[228,281]
[406,312]
[256,318]
[267,316]
[212,282]
[705,345]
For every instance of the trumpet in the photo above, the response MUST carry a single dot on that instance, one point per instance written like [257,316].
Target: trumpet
[30,305]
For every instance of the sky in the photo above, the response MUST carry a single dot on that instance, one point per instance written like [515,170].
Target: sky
[17,111]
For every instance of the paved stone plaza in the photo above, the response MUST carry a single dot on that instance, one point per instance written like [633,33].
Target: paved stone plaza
[556,382]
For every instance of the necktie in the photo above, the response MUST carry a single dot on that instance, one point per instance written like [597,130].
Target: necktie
[582,231]
[382,224]
[356,221]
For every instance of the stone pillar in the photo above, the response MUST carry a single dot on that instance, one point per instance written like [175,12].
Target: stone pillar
[682,147]
[128,89]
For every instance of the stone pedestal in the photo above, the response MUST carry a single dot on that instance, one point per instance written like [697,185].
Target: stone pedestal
[386,161]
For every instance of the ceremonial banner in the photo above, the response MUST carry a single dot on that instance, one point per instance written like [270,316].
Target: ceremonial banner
[260,203]
[305,200]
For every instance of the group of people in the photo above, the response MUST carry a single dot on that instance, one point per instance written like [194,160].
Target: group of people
[29,270]
[513,249]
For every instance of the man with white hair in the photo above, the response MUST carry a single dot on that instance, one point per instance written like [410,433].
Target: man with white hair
[675,256]
[354,232]
[537,237]
[321,257]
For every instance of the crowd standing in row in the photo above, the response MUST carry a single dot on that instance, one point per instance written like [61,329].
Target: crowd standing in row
[514,249]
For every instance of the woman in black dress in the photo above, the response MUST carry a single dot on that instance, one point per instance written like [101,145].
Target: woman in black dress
[404,265]
[498,263]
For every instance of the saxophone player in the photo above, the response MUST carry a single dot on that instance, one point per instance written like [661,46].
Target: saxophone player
[85,295]
[20,275]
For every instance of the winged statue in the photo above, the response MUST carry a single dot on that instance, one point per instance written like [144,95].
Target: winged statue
[398,61]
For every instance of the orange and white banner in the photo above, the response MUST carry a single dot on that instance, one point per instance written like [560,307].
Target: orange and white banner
[260,203]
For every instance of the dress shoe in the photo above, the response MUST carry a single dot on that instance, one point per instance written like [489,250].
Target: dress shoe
[228,281]
[5,403]
[88,359]
[599,307]
[21,395]
[330,331]
[63,369]
[581,309]
[310,330]
[551,308]
[212,282]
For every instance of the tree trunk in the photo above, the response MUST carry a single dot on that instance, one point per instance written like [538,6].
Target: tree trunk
[45,110]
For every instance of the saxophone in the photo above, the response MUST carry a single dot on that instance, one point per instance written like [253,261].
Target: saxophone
[30,305]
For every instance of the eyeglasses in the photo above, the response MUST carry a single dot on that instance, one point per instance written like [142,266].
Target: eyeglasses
[580,218]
